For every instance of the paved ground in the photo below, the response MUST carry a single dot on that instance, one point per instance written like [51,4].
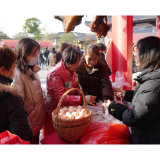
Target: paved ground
[42,75]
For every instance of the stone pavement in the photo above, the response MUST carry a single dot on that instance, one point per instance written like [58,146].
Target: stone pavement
[43,76]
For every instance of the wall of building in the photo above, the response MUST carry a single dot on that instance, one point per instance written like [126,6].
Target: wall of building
[141,31]
[144,27]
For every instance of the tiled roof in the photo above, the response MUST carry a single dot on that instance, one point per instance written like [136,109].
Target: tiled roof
[144,17]
[77,34]
[88,37]
[136,18]
[81,36]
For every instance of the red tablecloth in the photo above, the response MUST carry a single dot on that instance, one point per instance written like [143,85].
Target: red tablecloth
[54,139]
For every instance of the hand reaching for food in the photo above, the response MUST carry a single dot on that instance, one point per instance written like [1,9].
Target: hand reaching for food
[119,94]
[90,100]
[106,104]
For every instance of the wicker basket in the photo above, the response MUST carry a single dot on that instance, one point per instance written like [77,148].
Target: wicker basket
[70,130]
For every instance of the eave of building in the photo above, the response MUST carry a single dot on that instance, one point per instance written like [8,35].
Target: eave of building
[136,20]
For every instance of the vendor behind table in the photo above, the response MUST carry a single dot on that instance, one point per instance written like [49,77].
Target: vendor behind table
[93,75]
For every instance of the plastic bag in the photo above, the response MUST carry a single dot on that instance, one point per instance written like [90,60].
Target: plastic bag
[8,138]
[110,119]
[120,80]
[105,117]
[105,133]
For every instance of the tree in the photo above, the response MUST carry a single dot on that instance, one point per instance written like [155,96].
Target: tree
[86,44]
[32,26]
[67,37]
[20,35]
[50,36]
[3,36]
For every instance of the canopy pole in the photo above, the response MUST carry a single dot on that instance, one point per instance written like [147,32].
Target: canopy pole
[158,26]
[122,36]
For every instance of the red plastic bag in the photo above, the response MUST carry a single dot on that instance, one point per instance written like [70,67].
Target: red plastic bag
[8,138]
[105,133]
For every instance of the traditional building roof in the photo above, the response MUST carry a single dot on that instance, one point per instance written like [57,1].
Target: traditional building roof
[88,37]
[81,36]
[136,20]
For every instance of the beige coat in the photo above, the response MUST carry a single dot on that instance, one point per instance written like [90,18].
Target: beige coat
[31,93]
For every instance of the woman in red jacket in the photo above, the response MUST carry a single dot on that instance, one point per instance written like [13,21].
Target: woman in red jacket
[61,78]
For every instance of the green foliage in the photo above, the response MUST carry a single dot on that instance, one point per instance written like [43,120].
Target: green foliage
[32,26]
[3,36]
[50,36]
[86,44]
[20,35]
[67,37]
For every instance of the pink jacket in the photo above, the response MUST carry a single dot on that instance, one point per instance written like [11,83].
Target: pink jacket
[31,93]
[58,79]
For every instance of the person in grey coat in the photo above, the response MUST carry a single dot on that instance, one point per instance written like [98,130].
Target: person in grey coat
[143,118]
[41,59]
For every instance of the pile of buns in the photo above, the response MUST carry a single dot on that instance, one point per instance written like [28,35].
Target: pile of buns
[72,113]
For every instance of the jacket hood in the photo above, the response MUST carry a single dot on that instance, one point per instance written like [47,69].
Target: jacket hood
[5,89]
[145,75]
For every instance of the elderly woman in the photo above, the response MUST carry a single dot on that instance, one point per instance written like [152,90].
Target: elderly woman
[93,75]
[13,116]
[143,118]
[28,81]
[61,78]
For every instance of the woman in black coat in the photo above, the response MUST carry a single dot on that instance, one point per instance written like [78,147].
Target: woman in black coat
[143,118]
[13,116]
[93,75]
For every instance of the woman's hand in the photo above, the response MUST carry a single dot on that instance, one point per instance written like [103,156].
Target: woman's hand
[90,100]
[119,94]
[106,104]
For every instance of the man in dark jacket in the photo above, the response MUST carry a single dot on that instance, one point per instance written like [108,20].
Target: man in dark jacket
[46,53]
[40,59]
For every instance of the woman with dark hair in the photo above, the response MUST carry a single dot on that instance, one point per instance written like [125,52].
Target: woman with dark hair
[13,116]
[30,87]
[56,58]
[61,78]
[93,75]
[143,118]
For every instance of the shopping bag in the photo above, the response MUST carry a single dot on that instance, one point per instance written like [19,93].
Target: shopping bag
[105,133]
[8,138]
[120,80]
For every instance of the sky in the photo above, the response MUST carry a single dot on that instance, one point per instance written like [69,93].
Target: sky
[11,25]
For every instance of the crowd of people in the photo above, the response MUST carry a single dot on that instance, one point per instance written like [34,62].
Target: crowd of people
[25,111]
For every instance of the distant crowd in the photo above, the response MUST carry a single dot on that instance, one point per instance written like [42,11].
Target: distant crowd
[50,59]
